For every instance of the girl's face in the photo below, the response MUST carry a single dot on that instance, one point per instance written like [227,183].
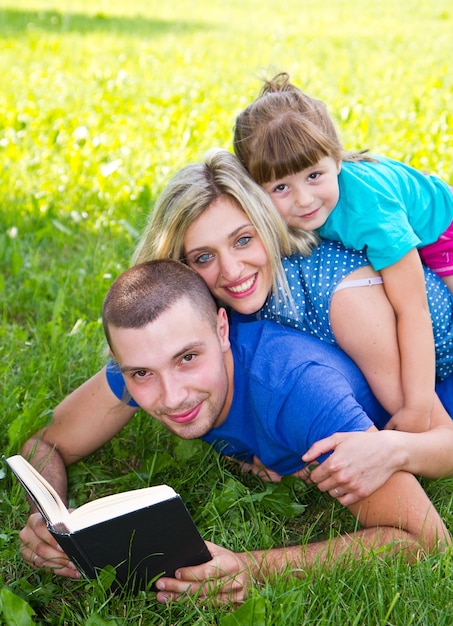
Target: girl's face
[306,199]
[222,245]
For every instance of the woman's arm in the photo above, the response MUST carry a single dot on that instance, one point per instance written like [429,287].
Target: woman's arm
[83,422]
[361,462]
[398,517]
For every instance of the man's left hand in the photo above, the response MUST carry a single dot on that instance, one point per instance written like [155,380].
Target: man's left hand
[224,579]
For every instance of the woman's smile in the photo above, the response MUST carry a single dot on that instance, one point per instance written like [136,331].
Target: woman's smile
[242,287]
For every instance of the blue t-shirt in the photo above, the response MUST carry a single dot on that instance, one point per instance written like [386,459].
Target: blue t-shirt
[313,280]
[290,390]
[387,208]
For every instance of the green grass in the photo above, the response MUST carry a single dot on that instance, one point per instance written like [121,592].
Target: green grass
[100,102]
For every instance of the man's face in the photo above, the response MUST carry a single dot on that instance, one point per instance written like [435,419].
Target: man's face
[175,369]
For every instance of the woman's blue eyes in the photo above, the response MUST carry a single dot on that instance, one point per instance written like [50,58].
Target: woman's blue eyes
[203,258]
[243,241]
[207,256]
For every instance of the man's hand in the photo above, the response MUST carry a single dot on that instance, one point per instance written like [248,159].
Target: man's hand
[361,462]
[224,579]
[40,550]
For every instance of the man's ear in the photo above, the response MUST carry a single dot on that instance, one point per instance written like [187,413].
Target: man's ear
[223,329]
[339,166]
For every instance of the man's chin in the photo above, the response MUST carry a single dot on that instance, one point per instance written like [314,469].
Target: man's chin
[189,431]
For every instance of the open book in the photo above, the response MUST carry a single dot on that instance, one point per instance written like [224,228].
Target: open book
[144,533]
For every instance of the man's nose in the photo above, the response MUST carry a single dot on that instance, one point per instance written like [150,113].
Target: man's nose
[173,393]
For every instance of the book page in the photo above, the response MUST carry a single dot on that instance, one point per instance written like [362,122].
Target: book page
[117,504]
[52,508]
[41,492]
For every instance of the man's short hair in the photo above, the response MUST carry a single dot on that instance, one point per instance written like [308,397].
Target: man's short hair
[143,292]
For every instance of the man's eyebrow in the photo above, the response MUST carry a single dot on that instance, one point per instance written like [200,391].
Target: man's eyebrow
[229,236]
[188,348]
[131,368]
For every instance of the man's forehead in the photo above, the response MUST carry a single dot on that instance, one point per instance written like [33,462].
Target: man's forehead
[174,332]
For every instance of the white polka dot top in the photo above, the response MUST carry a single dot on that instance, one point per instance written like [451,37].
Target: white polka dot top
[313,280]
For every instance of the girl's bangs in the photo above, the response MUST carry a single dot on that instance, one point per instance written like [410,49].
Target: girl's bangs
[285,153]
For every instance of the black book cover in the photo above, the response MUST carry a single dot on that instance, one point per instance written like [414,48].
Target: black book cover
[141,545]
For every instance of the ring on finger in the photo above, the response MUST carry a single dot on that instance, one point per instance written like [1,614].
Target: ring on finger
[36,555]
[337,493]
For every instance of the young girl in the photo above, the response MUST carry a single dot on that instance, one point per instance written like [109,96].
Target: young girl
[289,145]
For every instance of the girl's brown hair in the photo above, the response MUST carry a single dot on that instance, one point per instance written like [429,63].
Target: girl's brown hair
[285,131]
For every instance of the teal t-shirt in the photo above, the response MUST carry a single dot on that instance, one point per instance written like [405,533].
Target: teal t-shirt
[387,208]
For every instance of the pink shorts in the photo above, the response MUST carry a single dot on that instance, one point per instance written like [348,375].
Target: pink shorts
[439,255]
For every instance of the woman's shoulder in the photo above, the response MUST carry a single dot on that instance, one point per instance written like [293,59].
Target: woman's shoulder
[327,254]
[314,277]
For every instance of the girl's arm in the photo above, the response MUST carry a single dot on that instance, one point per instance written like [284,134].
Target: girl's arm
[404,284]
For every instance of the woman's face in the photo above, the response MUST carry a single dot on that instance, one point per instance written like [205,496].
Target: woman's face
[222,245]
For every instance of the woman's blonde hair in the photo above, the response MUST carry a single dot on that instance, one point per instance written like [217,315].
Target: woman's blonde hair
[193,189]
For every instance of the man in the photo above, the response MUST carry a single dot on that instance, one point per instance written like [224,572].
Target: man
[272,392]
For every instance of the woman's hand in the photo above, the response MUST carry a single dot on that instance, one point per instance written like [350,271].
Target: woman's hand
[360,463]
[40,550]
[260,470]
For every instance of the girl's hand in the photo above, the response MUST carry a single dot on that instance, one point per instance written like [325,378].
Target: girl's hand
[260,470]
[410,421]
[40,550]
